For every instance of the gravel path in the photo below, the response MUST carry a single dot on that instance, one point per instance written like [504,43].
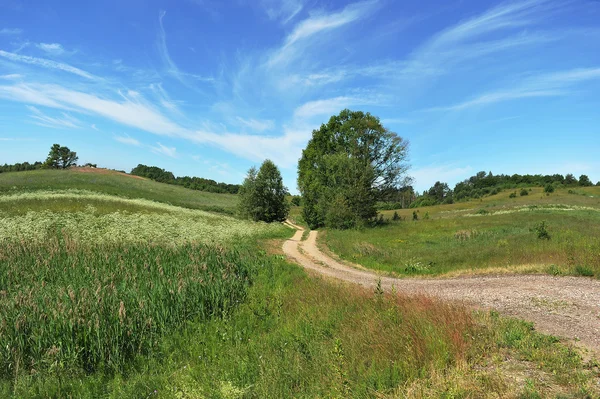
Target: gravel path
[567,307]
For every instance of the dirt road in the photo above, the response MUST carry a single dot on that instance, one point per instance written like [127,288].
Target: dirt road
[567,307]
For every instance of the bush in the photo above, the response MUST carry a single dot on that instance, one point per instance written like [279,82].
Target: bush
[549,189]
[513,195]
[584,271]
[415,216]
[396,217]
[296,200]
[524,192]
[542,231]
[339,215]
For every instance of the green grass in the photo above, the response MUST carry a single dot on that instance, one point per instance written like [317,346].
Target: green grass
[114,183]
[105,296]
[495,234]
[297,336]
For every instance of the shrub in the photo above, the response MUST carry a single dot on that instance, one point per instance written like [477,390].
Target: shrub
[296,200]
[549,189]
[584,271]
[542,231]
[396,217]
[513,195]
[415,216]
[524,192]
[339,215]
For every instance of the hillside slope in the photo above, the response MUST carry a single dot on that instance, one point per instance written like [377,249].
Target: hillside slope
[116,183]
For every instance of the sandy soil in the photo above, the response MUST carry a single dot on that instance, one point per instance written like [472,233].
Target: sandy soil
[567,307]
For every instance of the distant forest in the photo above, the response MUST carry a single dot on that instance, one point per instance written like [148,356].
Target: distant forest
[484,184]
[20,167]
[195,183]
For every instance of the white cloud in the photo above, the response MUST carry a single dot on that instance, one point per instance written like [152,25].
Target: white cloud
[164,150]
[44,63]
[315,24]
[65,121]
[11,31]
[128,140]
[256,124]
[468,39]
[12,76]
[134,112]
[334,105]
[51,48]
[283,10]
[544,85]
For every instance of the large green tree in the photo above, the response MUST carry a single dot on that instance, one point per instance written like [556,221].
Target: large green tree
[61,157]
[262,194]
[348,165]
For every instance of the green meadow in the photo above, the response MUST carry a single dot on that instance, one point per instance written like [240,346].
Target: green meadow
[536,233]
[108,291]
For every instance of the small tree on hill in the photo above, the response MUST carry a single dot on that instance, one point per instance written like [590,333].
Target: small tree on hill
[262,195]
[60,157]
[585,181]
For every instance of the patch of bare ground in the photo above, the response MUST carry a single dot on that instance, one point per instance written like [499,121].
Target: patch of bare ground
[102,171]
[567,307]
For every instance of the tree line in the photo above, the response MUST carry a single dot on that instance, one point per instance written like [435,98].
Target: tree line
[195,183]
[483,184]
[59,157]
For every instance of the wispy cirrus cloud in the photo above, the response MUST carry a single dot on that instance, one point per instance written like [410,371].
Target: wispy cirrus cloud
[133,110]
[12,76]
[543,85]
[49,64]
[164,150]
[315,24]
[128,140]
[188,79]
[282,10]
[64,121]
[256,124]
[11,31]
[54,49]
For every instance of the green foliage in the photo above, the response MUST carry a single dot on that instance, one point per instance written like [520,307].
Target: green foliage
[541,230]
[60,158]
[513,195]
[91,307]
[549,188]
[20,167]
[352,156]
[195,183]
[585,181]
[585,271]
[523,192]
[340,216]
[262,195]
[396,217]
[296,200]
[415,216]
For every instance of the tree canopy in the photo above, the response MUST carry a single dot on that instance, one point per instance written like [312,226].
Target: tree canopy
[262,194]
[61,157]
[348,165]
[195,183]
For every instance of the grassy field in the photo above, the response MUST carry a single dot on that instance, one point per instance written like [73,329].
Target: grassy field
[118,184]
[108,296]
[497,233]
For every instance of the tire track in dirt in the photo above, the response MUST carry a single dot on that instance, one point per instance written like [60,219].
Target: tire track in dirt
[568,307]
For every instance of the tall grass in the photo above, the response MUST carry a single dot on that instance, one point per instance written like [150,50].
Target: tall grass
[64,305]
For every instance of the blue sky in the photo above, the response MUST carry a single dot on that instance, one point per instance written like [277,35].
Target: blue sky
[210,88]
